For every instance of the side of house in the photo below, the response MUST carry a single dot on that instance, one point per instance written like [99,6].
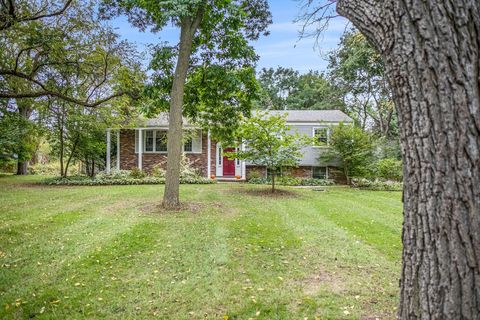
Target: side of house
[315,124]
[145,147]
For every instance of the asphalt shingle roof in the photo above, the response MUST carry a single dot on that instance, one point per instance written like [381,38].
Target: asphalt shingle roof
[313,116]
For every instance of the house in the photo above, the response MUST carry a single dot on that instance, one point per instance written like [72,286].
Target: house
[146,146]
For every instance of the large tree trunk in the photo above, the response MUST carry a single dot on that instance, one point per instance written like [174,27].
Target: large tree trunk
[171,198]
[22,168]
[431,54]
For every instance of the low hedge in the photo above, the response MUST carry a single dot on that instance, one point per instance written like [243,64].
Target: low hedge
[377,185]
[293,181]
[103,181]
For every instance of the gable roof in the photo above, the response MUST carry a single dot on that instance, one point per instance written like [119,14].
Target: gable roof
[314,116]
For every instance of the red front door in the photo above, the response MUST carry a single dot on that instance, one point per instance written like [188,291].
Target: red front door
[228,165]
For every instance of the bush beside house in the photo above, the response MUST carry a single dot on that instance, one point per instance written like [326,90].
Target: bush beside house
[292,181]
[121,177]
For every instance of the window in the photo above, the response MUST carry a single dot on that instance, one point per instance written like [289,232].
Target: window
[188,145]
[160,141]
[148,141]
[220,156]
[319,172]
[321,135]
[156,141]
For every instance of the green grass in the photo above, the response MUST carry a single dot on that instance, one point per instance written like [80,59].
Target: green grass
[109,252]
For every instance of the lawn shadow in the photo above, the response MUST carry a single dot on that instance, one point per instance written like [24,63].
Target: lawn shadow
[185,207]
[264,192]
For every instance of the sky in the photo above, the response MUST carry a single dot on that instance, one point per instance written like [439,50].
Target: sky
[282,47]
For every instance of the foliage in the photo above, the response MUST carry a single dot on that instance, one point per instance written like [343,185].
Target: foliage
[132,179]
[221,82]
[377,185]
[62,72]
[390,169]
[217,96]
[353,147]
[43,57]
[137,173]
[158,171]
[18,137]
[292,181]
[114,174]
[187,169]
[8,166]
[285,88]
[50,169]
[269,142]
[357,71]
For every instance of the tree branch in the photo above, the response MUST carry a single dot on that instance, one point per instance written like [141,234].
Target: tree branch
[47,93]
[366,16]
[37,16]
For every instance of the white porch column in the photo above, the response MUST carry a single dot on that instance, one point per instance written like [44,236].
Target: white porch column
[108,150]
[244,164]
[209,155]
[140,148]
[118,149]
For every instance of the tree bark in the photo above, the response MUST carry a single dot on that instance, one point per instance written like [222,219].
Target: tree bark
[72,152]
[22,168]
[431,55]
[273,183]
[25,111]
[171,197]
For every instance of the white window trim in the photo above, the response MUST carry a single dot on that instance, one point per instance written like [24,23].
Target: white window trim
[144,138]
[219,160]
[154,141]
[328,136]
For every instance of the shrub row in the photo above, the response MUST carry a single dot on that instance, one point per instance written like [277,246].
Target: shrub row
[117,179]
[293,181]
[377,185]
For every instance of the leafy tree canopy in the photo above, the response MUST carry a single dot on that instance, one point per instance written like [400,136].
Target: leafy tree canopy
[286,88]
[220,83]
[357,71]
[41,56]
[18,137]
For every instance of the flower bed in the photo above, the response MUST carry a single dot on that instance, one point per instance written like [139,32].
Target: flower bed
[121,177]
[377,185]
[293,181]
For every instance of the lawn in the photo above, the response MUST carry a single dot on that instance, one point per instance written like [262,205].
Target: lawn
[236,253]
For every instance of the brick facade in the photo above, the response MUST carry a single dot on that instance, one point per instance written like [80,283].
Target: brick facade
[129,159]
[299,172]
[256,172]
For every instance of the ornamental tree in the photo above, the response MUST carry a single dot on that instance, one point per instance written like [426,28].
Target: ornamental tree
[212,33]
[352,146]
[268,141]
